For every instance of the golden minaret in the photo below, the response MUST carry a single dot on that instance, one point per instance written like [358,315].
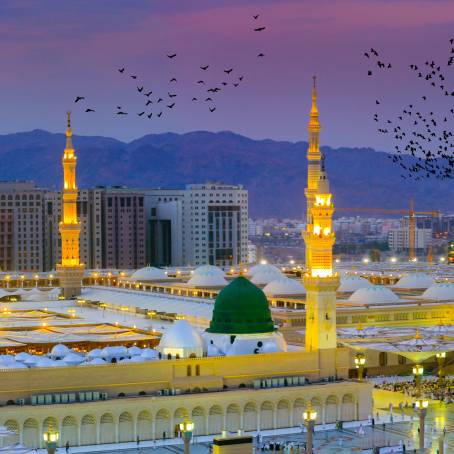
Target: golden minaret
[320,280]
[70,270]
[313,157]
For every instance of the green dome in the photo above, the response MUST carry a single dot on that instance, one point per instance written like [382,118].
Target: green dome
[241,308]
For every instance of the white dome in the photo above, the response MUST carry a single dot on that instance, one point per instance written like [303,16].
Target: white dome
[266,276]
[373,294]
[73,358]
[149,273]
[440,292]
[263,268]
[352,283]
[95,353]
[137,359]
[207,278]
[181,335]
[149,353]
[211,269]
[134,351]
[114,352]
[59,350]
[284,286]
[32,360]
[270,347]
[22,356]
[415,281]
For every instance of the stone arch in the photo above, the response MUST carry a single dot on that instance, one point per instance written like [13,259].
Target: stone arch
[331,405]
[69,431]
[232,421]
[215,420]
[179,415]
[266,415]
[107,428]
[31,434]
[316,404]
[13,426]
[88,430]
[198,417]
[298,407]
[50,422]
[283,414]
[348,408]
[144,425]
[163,424]
[125,427]
[250,416]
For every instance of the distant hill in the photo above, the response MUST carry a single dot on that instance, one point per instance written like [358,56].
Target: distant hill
[274,172]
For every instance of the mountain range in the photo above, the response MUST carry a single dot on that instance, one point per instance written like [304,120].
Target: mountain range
[274,172]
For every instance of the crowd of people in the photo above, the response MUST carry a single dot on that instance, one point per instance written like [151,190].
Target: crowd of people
[429,389]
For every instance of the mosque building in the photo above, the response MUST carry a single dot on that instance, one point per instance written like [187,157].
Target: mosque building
[239,373]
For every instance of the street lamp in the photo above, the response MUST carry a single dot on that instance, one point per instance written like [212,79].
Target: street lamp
[417,372]
[360,361]
[50,438]
[441,363]
[186,428]
[421,407]
[309,417]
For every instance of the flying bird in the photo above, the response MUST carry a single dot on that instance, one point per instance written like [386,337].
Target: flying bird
[171,55]
[121,70]
[79,98]
[212,109]
[148,94]
[140,114]
[259,29]
[171,95]
[228,71]
[149,102]
[256,16]
[204,68]
[89,110]
[194,99]
[133,77]
[122,113]
[201,82]
[208,99]
[140,89]
[261,54]
[159,114]
[170,106]
[173,79]
[150,115]
[159,100]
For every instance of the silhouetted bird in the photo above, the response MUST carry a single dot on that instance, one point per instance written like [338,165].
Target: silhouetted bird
[149,102]
[228,71]
[79,98]
[369,73]
[261,54]
[256,16]
[194,99]
[259,29]
[201,82]
[159,114]
[173,79]
[209,99]
[121,70]
[89,110]
[204,68]
[133,77]
[171,55]
[171,95]
[150,115]
[140,114]
[212,109]
[140,89]
[149,93]
[170,106]
[122,113]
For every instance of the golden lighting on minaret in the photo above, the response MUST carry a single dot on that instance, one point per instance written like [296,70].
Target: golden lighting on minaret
[320,281]
[313,157]
[70,270]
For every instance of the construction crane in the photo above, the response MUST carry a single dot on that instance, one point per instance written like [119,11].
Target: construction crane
[411,213]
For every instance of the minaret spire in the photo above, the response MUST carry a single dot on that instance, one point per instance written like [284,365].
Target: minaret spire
[70,270]
[314,157]
[69,133]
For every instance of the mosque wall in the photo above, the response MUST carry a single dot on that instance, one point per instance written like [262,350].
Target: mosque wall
[122,420]
[209,372]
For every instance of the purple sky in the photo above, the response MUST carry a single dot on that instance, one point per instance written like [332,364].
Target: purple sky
[53,50]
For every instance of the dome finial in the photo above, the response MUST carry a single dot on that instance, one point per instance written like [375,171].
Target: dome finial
[69,143]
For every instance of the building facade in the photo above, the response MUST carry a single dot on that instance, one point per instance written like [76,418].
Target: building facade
[202,224]
[398,239]
[21,226]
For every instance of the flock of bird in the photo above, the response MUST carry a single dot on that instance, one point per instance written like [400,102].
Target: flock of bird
[419,131]
[157,105]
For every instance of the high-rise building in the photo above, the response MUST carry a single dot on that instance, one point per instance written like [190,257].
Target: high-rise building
[398,239]
[203,224]
[70,270]
[320,281]
[21,226]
